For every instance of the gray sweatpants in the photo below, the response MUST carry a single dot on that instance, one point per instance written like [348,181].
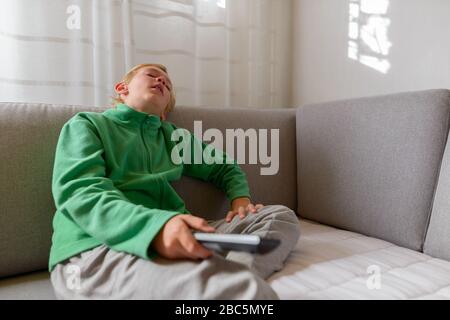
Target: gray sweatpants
[102,273]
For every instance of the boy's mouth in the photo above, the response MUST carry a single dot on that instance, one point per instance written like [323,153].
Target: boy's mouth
[160,88]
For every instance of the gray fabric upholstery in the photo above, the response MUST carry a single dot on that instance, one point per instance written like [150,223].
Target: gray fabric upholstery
[268,189]
[370,165]
[29,133]
[437,241]
[33,286]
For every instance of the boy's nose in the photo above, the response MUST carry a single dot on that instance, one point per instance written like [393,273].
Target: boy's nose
[162,80]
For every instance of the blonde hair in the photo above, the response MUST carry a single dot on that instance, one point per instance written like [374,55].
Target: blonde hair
[130,74]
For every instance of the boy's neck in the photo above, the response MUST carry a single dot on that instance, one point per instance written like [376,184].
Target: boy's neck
[150,109]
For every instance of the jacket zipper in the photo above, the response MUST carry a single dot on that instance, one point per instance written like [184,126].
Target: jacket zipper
[147,155]
[149,164]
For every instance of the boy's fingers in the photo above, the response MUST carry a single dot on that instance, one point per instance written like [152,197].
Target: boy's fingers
[259,206]
[251,208]
[192,248]
[230,216]
[242,212]
[198,223]
[185,247]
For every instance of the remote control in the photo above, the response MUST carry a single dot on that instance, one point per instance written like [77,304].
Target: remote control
[238,242]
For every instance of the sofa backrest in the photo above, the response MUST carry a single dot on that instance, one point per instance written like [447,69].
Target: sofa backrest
[371,165]
[28,136]
[279,188]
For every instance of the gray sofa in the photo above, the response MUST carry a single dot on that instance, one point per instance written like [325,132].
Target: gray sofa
[369,179]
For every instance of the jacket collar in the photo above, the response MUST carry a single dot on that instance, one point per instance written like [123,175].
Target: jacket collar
[125,114]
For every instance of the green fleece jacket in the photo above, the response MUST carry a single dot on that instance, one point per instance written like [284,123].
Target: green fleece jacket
[111,182]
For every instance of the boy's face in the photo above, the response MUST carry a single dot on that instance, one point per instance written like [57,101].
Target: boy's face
[148,91]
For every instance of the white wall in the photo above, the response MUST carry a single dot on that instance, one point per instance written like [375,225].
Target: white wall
[419,55]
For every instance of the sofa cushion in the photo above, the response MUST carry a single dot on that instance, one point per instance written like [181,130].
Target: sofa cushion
[437,241]
[370,165]
[327,263]
[28,137]
[32,286]
[279,188]
[330,263]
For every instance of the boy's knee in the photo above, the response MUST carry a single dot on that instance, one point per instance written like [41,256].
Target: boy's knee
[284,213]
[287,222]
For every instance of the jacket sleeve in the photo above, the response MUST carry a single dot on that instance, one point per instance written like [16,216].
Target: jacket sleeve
[82,191]
[207,163]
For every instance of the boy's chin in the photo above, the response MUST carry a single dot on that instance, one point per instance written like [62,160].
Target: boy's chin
[154,101]
[155,109]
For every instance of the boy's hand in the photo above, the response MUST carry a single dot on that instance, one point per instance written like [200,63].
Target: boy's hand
[242,206]
[175,239]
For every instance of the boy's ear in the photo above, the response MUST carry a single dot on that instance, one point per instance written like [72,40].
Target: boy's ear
[121,88]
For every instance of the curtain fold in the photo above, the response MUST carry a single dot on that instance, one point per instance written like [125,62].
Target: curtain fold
[219,53]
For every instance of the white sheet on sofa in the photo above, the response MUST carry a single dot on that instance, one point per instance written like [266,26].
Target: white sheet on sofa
[329,263]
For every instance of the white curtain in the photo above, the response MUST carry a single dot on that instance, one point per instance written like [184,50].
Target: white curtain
[219,53]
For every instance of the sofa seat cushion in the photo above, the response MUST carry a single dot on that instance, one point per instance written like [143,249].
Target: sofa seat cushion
[330,263]
[32,286]
[327,263]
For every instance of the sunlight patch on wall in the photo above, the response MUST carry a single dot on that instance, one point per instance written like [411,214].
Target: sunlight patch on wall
[368,33]
[222,3]
[219,3]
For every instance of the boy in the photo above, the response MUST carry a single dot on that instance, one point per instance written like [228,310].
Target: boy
[120,229]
